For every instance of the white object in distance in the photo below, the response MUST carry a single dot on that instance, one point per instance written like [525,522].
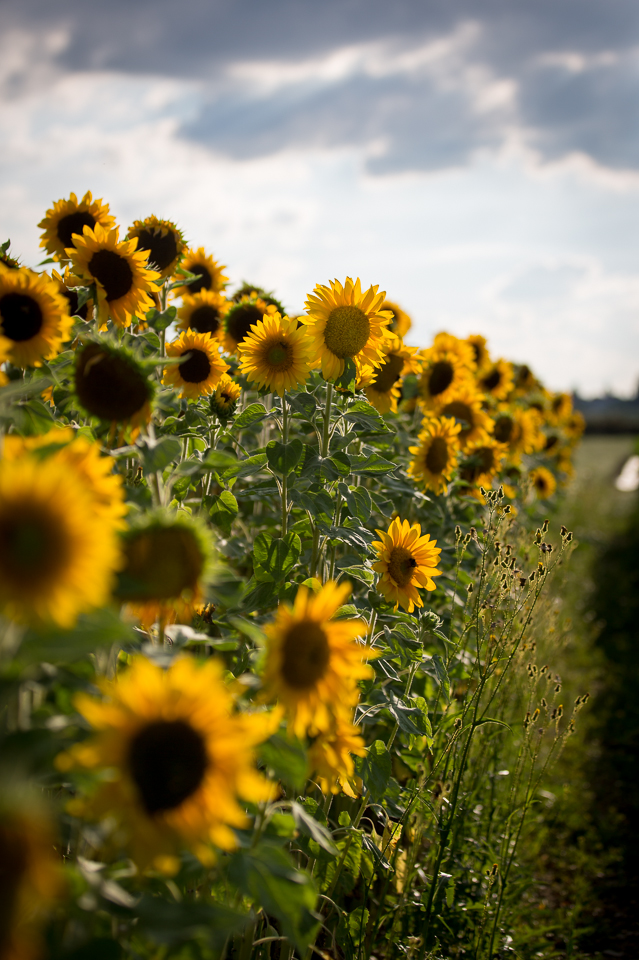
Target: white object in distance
[628,479]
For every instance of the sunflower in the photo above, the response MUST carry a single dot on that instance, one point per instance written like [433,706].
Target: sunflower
[543,482]
[313,663]
[112,385]
[276,355]
[30,876]
[180,758]
[406,560]
[331,758]
[574,426]
[33,316]
[519,429]
[68,218]
[58,554]
[524,380]
[383,385]
[462,348]
[199,373]
[251,291]
[401,322]
[444,373]
[65,285]
[168,558]
[122,279]
[497,380]
[203,312]
[344,323]
[224,401]
[435,459]
[480,350]
[210,272]
[241,318]
[161,241]
[482,463]
[465,405]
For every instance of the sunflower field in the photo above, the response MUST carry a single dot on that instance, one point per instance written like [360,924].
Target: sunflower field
[271,593]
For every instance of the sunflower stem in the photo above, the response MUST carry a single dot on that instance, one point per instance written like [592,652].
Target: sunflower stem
[284,476]
[327,419]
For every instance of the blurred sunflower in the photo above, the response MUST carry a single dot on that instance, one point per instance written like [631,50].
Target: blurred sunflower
[382,386]
[524,381]
[435,459]
[406,560]
[465,405]
[519,429]
[276,355]
[34,317]
[199,373]
[543,482]
[210,272]
[161,241]
[462,348]
[331,758]
[497,380]
[123,282]
[241,317]
[65,285]
[480,350]
[51,536]
[401,322]
[203,312]
[444,374]
[481,464]
[251,291]
[224,400]
[180,757]
[574,425]
[68,218]
[112,385]
[313,662]
[344,323]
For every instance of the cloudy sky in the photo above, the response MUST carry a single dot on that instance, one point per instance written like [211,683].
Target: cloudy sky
[478,159]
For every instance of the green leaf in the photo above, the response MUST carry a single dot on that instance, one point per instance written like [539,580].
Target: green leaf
[284,457]
[277,556]
[342,463]
[223,511]
[305,404]
[351,928]
[434,667]
[165,921]
[359,503]
[375,769]
[99,628]
[161,320]
[372,465]
[309,825]
[246,467]
[286,758]
[349,376]
[492,720]
[253,414]
[366,416]
[364,574]
[157,454]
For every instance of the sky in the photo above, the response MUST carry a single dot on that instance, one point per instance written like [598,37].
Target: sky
[478,159]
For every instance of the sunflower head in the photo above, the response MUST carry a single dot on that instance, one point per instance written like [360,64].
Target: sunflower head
[251,291]
[497,380]
[435,458]
[241,318]
[345,324]
[481,354]
[210,273]
[5,257]
[276,354]
[331,758]
[313,662]
[66,285]
[406,561]
[482,462]
[67,219]
[542,482]
[383,385]
[112,385]
[224,401]
[401,322]
[519,429]
[525,381]
[200,370]
[204,312]
[444,373]
[34,317]
[161,240]
[465,406]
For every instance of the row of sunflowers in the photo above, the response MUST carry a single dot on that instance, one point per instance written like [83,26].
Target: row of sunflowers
[218,527]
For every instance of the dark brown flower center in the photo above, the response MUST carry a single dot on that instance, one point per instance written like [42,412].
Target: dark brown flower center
[73,223]
[34,546]
[305,655]
[389,373]
[161,564]
[72,299]
[492,380]
[108,385]
[196,367]
[460,411]
[437,456]
[481,461]
[204,283]
[347,331]
[162,247]
[504,426]
[167,761]
[21,316]
[240,320]
[113,272]
[401,566]
[205,319]
[551,441]
[440,377]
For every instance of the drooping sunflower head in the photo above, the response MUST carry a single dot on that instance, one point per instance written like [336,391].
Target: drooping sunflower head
[444,373]
[66,285]
[124,284]
[383,385]
[497,380]
[482,462]
[224,401]
[345,324]
[465,405]
[210,273]
[313,662]
[525,381]
[435,458]
[331,758]
[198,374]
[34,317]
[241,317]
[542,482]
[204,312]
[162,242]
[58,552]
[67,219]
[276,354]
[112,385]
[251,291]
[406,562]
[401,322]
[13,263]
[181,756]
